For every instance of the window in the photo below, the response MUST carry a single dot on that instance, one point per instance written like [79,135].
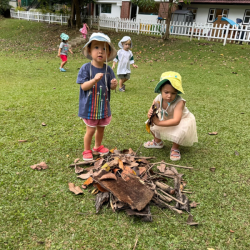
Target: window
[106,8]
[194,10]
[214,13]
[246,19]
[150,11]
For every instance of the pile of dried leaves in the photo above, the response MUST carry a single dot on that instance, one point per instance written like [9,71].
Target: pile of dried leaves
[128,182]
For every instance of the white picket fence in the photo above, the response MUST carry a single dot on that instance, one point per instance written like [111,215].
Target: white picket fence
[222,33]
[39,17]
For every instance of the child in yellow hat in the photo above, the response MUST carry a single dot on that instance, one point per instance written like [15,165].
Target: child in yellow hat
[175,123]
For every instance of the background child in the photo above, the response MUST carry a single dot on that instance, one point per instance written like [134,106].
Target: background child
[63,50]
[176,123]
[125,58]
[84,29]
[96,79]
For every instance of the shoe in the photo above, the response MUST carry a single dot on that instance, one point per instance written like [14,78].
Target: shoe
[176,154]
[101,150]
[123,86]
[62,70]
[121,90]
[87,155]
[153,144]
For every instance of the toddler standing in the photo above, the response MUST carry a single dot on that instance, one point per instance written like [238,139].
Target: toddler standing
[63,50]
[96,79]
[84,30]
[125,58]
[176,123]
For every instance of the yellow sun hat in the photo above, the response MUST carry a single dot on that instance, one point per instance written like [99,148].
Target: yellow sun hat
[174,78]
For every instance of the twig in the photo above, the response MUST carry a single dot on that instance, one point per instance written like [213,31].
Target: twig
[178,166]
[172,197]
[138,149]
[135,243]
[187,192]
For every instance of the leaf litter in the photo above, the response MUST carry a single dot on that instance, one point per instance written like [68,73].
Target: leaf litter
[127,182]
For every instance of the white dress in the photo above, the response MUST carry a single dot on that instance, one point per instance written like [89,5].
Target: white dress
[185,133]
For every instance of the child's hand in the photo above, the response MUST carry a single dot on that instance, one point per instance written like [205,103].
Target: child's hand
[113,83]
[150,112]
[135,66]
[98,77]
[113,66]
[58,55]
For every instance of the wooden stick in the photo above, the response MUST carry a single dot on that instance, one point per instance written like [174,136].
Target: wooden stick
[82,163]
[178,166]
[165,187]
[187,192]
[172,197]
[135,244]
[163,197]
[168,206]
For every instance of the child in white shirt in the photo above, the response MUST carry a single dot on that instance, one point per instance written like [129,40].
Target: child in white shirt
[125,58]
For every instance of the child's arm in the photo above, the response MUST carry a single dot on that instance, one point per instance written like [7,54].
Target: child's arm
[113,66]
[59,52]
[176,117]
[70,51]
[89,84]
[135,66]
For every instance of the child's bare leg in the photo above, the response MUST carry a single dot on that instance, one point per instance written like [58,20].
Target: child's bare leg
[99,136]
[121,81]
[88,137]
[63,63]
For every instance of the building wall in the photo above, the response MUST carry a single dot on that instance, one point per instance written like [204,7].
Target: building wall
[125,9]
[235,11]
[115,11]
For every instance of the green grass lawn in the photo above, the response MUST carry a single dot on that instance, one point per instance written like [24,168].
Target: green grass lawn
[37,211]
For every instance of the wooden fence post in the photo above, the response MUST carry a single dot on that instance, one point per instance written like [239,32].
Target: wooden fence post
[225,38]
[98,23]
[138,30]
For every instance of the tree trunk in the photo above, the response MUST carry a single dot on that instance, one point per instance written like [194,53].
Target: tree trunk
[78,14]
[170,5]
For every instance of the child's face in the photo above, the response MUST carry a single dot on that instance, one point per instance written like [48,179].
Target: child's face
[99,51]
[126,45]
[168,93]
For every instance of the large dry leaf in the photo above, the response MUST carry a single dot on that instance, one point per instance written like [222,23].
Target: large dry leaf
[100,188]
[96,166]
[75,189]
[127,172]
[194,204]
[114,162]
[131,152]
[142,170]
[40,166]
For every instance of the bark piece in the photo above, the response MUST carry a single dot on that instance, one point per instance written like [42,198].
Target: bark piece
[190,221]
[132,191]
[100,199]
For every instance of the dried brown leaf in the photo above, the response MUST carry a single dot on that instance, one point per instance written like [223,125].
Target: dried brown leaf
[193,204]
[108,176]
[213,133]
[88,181]
[162,167]
[76,160]
[190,221]
[78,170]
[40,166]
[75,189]
[85,176]
[44,124]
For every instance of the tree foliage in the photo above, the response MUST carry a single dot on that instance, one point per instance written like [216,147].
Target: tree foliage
[4,5]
